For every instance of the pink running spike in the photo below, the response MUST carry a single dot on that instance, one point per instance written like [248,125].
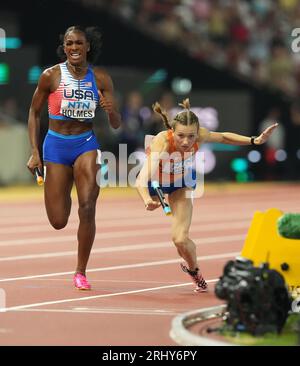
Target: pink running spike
[201,285]
[81,282]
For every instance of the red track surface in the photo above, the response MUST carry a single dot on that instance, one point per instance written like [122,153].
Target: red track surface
[138,287]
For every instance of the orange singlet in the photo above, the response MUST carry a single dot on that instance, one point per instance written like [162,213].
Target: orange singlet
[174,165]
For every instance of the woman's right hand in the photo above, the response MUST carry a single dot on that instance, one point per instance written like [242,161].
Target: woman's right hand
[151,204]
[34,162]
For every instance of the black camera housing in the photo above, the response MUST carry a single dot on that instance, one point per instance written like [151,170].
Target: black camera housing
[257,297]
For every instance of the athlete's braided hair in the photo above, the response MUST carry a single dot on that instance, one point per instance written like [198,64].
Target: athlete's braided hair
[157,108]
[185,118]
[92,35]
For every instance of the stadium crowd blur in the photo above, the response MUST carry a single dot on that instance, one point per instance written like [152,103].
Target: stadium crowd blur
[250,38]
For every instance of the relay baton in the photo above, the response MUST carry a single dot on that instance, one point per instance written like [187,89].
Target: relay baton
[38,176]
[158,191]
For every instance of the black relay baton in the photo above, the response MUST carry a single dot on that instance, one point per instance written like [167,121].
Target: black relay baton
[158,191]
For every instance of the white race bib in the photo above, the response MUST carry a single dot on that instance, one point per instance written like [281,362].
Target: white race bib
[79,109]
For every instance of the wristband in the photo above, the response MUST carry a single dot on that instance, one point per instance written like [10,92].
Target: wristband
[252,140]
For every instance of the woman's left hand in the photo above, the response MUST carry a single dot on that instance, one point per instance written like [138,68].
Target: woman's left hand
[263,137]
[105,103]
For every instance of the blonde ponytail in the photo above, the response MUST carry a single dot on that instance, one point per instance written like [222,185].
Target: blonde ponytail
[157,108]
[186,105]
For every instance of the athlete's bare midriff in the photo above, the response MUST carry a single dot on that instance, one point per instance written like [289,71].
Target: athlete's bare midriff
[67,127]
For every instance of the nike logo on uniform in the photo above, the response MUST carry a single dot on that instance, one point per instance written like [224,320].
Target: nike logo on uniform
[88,139]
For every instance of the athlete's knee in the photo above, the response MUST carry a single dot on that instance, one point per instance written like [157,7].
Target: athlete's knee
[59,223]
[86,210]
[180,239]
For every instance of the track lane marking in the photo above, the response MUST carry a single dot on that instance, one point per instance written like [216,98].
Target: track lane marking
[121,234]
[28,306]
[125,266]
[125,247]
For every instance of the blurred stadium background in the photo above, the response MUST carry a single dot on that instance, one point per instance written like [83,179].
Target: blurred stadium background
[233,59]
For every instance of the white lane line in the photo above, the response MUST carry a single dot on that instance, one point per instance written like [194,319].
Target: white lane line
[73,224]
[205,210]
[212,209]
[124,247]
[48,239]
[106,311]
[105,281]
[125,266]
[214,201]
[121,234]
[28,306]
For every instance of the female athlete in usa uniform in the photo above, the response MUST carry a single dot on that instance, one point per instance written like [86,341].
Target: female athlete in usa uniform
[71,152]
[170,161]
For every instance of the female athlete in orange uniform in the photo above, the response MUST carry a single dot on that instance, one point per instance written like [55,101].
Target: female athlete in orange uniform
[171,156]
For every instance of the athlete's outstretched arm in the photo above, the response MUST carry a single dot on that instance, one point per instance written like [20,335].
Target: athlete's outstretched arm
[236,139]
[107,99]
[38,100]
